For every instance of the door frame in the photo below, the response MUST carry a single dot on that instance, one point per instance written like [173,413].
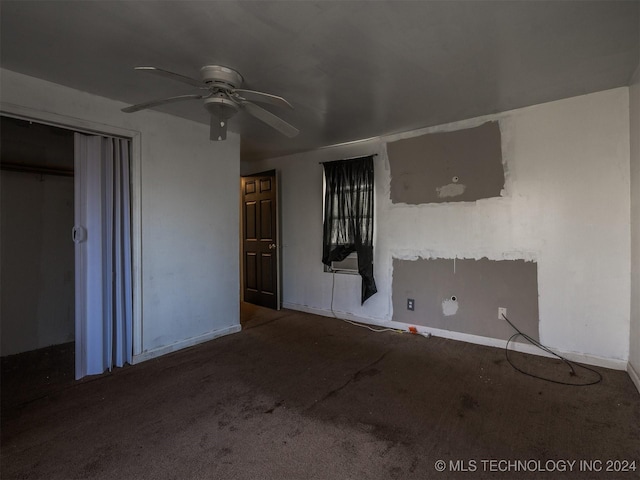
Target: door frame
[276,175]
[94,128]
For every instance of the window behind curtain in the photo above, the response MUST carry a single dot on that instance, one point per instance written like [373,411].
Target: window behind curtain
[348,216]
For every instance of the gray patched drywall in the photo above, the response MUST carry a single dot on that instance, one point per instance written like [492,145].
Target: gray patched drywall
[464,295]
[459,166]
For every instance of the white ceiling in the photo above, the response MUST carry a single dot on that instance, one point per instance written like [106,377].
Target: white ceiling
[351,69]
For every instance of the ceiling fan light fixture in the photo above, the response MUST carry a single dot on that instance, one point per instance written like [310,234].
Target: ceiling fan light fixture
[221,107]
[221,110]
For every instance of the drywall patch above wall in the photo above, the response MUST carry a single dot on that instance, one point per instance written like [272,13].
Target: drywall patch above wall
[463,295]
[459,166]
[451,190]
[449,306]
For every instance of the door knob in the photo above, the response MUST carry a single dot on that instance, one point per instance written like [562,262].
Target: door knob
[272,246]
[78,234]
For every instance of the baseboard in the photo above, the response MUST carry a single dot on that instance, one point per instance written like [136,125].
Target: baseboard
[189,342]
[612,363]
[635,376]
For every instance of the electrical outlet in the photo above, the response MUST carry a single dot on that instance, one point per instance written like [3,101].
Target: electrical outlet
[502,313]
[411,304]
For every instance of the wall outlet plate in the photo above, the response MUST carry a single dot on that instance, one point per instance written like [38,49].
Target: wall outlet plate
[411,304]
[502,311]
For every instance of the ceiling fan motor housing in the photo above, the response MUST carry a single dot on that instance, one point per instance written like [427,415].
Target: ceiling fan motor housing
[220,81]
[216,75]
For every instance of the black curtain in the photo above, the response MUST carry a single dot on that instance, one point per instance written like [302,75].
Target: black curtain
[348,216]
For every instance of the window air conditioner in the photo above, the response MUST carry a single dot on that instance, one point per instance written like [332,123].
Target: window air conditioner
[348,265]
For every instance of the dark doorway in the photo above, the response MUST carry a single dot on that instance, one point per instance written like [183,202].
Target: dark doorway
[260,249]
[37,274]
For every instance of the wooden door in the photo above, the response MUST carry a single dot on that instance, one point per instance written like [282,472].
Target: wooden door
[260,240]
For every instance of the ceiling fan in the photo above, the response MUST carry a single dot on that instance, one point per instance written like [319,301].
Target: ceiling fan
[222,99]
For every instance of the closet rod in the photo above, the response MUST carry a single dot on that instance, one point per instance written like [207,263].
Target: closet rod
[41,169]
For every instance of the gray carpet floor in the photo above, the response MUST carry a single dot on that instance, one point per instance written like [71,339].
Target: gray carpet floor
[297,396]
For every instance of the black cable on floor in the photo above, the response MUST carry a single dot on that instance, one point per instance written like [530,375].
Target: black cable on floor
[569,363]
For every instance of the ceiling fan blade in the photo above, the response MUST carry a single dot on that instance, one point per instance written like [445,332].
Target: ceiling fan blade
[264,98]
[218,128]
[270,119]
[163,101]
[174,76]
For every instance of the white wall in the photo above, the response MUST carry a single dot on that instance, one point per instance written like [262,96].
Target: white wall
[565,205]
[634,115]
[188,196]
